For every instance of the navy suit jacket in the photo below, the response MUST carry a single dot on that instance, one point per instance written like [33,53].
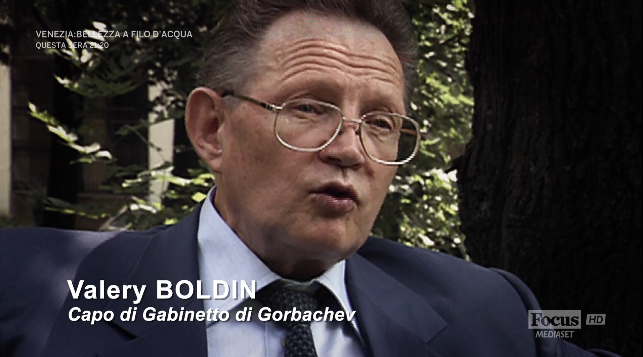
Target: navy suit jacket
[409,301]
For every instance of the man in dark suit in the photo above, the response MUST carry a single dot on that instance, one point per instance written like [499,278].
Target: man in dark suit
[300,113]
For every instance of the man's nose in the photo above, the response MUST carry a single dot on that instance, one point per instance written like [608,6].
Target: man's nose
[346,150]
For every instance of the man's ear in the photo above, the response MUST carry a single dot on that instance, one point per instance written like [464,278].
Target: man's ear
[203,121]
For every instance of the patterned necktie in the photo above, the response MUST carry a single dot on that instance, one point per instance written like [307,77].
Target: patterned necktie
[299,339]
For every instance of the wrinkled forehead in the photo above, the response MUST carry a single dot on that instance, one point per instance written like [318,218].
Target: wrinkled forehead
[301,25]
[299,29]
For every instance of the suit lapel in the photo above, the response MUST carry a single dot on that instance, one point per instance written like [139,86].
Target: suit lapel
[393,320]
[172,255]
[167,339]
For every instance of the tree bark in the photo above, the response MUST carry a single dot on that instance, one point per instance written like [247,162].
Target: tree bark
[186,159]
[550,183]
[65,177]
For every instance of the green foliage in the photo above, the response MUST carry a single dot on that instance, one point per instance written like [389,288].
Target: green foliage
[89,153]
[421,208]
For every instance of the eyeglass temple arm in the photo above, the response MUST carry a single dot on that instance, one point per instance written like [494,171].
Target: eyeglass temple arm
[264,105]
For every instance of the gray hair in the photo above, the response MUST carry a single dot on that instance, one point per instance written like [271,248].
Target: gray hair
[228,60]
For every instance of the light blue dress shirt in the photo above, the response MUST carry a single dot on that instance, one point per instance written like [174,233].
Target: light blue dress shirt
[224,256]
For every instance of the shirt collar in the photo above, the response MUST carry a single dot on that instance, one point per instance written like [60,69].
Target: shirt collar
[224,256]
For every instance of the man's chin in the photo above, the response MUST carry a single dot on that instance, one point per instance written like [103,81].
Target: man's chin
[329,246]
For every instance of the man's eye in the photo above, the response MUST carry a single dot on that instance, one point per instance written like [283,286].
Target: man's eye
[308,108]
[381,122]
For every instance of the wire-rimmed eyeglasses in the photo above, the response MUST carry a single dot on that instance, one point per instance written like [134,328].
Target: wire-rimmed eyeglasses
[309,125]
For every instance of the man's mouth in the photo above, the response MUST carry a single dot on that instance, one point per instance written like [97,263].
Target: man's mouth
[337,196]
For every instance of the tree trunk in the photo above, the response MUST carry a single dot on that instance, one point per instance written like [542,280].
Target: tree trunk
[186,159]
[550,183]
[65,177]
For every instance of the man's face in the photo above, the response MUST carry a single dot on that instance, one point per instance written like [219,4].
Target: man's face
[302,212]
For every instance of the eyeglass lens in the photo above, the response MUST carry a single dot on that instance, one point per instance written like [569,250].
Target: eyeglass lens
[309,124]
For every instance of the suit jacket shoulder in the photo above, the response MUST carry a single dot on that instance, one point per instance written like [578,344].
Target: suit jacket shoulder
[35,264]
[462,308]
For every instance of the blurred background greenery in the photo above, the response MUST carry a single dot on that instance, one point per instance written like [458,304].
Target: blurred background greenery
[421,209]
